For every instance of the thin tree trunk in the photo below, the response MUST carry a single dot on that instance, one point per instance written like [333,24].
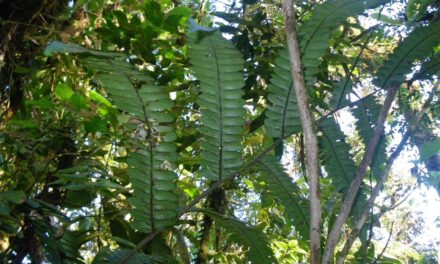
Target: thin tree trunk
[307,121]
[362,219]
[336,230]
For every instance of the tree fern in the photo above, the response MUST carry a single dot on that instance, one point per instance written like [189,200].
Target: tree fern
[217,64]
[340,94]
[282,116]
[429,68]
[107,256]
[315,33]
[281,187]
[335,155]
[249,237]
[154,201]
[366,113]
[414,47]
[338,162]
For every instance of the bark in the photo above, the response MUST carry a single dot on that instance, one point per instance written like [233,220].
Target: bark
[350,197]
[216,202]
[307,121]
[363,218]
[376,191]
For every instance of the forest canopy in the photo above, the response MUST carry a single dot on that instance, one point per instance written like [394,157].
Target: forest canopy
[232,131]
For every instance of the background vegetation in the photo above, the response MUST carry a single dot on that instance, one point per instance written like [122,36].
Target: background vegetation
[141,131]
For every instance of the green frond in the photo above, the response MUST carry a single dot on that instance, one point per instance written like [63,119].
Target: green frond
[81,180]
[217,64]
[415,47]
[335,155]
[154,202]
[108,256]
[281,188]
[282,116]
[366,112]
[429,68]
[315,33]
[340,93]
[259,250]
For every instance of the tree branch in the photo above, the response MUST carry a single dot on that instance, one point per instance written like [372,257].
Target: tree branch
[356,183]
[307,122]
[363,218]
[145,241]
[386,245]
[384,175]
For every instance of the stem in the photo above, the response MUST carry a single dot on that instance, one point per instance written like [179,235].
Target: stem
[140,245]
[354,186]
[386,245]
[307,121]
[362,219]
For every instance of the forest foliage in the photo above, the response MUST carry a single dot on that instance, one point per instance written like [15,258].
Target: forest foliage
[143,131]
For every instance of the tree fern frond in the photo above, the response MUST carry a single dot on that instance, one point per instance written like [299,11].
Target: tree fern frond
[154,200]
[335,155]
[412,48]
[217,64]
[340,94]
[315,33]
[108,256]
[282,117]
[249,237]
[429,68]
[366,112]
[288,193]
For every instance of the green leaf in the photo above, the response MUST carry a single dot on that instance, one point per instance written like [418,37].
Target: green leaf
[386,19]
[181,11]
[315,33]
[418,45]
[108,256]
[96,97]
[415,9]
[154,202]
[366,112]
[16,197]
[429,68]
[282,115]
[78,102]
[335,155]
[5,209]
[288,193]
[153,12]
[23,123]
[259,249]
[44,103]
[430,149]
[96,124]
[340,93]
[154,199]
[63,92]
[60,47]
[217,64]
